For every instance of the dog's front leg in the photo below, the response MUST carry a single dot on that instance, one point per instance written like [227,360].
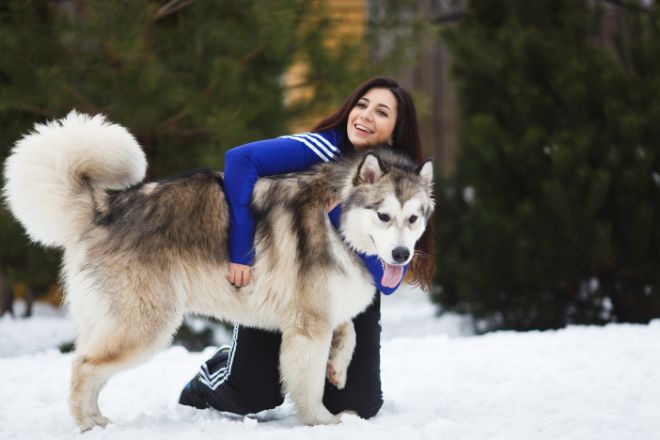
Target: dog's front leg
[303,357]
[341,353]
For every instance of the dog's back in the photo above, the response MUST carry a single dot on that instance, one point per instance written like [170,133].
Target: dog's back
[183,217]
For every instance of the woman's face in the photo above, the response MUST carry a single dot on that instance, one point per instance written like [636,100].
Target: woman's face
[372,120]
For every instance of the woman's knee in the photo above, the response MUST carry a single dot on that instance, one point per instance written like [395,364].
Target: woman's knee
[369,409]
[227,398]
[364,402]
[261,403]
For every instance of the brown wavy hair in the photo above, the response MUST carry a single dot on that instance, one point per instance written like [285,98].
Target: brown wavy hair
[405,138]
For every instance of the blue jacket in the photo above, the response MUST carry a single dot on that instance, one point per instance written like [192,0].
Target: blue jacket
[286,154]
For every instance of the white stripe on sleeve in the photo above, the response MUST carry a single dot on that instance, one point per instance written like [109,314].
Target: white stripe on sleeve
[326,142]
[320,145]
[310,146]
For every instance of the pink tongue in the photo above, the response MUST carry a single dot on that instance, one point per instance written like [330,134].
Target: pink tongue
[391,275]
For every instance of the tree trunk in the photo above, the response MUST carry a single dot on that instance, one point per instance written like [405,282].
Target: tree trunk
[29,300]
[6,296]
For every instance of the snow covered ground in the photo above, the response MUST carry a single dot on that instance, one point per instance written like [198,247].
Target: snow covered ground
[440,382]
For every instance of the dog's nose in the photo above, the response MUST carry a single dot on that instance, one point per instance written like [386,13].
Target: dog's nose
[400,254]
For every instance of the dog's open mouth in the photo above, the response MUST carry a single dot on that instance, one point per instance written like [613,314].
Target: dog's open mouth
[392,274]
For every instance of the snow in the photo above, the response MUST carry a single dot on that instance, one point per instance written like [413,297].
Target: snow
[48,329]
[439,381]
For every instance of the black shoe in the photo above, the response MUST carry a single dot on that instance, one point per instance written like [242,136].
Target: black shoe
[193,394]
[220,357]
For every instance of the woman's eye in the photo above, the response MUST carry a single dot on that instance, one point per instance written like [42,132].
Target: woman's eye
[412,219]
[383,217]
[382,113]
[361,105]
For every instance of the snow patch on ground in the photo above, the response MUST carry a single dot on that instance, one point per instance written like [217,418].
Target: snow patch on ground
[439,382]
[49,327]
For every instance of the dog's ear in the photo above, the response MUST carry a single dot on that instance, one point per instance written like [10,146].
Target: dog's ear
[425,171]
[371,168]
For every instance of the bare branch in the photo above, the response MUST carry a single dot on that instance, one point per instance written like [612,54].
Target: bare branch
[251,54]
[34,110]
[87,105]
[172,121]
[171,7]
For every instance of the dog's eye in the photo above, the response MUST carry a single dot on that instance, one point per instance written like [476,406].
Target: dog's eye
[383,217]
[412,219]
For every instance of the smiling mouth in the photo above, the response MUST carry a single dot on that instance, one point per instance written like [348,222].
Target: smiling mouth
[362,129]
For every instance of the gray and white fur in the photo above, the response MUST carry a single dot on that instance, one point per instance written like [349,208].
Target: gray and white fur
[138,256]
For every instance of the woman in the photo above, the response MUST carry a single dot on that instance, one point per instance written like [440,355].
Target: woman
[244,378]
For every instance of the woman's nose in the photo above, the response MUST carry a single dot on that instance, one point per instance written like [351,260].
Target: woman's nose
[367,115]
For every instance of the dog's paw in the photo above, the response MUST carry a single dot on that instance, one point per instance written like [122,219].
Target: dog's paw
[321,417]
[92,421]
[341,380]
[337,374]
[332,420]
[101,420]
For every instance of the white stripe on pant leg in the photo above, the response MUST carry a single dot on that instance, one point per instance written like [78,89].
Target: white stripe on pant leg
[223,377]
[204,371]
[213,376]
[209,378]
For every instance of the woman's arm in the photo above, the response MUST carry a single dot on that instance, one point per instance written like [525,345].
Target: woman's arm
[244,164]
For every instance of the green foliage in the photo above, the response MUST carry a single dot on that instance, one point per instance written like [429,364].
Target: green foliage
[188,79]
[560,148]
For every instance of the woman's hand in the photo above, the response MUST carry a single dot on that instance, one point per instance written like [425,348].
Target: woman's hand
[239,274]
[331,203]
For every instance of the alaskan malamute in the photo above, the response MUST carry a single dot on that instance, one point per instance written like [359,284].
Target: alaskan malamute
[137,256]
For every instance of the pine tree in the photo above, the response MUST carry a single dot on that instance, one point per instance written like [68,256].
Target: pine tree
[548,218]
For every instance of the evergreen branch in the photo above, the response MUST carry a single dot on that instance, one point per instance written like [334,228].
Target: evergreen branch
[170,123]
[174,120]
[242,62]
[171,7]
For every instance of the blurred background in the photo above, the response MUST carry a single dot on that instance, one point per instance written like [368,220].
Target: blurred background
[543,118]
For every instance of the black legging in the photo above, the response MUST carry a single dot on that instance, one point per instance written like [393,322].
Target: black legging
[247,379]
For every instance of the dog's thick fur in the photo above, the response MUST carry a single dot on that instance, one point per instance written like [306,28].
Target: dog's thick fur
[137,256]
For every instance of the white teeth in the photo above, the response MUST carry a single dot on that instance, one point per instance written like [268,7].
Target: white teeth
[362,127]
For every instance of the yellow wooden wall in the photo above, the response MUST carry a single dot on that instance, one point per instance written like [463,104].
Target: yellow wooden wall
[349,23]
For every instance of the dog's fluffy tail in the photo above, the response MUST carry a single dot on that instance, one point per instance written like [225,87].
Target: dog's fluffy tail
[53,173]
